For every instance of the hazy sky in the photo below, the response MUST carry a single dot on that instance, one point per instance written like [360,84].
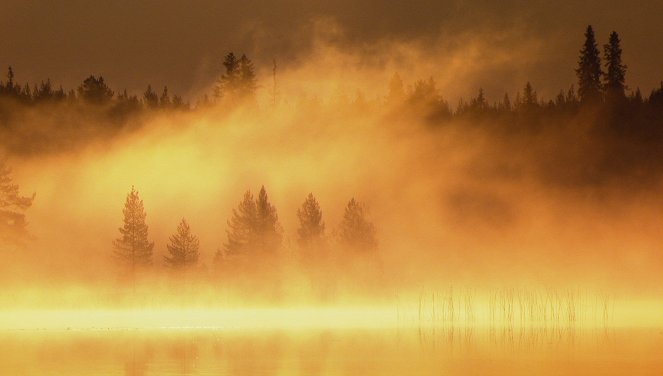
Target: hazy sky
[181,43]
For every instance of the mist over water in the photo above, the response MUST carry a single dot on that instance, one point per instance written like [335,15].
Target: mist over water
[507,235]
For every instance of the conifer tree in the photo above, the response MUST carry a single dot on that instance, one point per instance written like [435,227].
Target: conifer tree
[227,84]
[241,226]
[10,79]
[479,104]
[183,247]
[616,71]
[396,90]
[530,99]
[247,74]
[253,228]
[355,231]
[268,229]
[164,100]
[239,80]
[589,69]
[132,248]
[150,98]
[12,206]
[311,227]
[95,91]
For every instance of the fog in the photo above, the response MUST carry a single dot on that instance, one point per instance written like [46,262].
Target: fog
[456,202]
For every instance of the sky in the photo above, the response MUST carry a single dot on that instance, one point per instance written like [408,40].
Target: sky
[181,44]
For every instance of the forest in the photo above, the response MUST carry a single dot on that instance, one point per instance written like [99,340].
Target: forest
[596,135]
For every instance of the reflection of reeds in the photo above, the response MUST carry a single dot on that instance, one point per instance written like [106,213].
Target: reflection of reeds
[526,316]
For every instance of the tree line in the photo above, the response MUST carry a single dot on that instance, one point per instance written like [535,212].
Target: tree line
[597,82]
[238,82]
[253,234]
[99,111]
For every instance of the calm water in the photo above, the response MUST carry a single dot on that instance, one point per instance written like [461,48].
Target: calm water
[603,351]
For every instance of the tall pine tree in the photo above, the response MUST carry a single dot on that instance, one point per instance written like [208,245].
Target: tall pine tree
[589,70]
[183,247]
[615,70]
[132,248]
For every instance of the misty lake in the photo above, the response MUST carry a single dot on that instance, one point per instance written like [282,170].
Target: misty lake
[462,351]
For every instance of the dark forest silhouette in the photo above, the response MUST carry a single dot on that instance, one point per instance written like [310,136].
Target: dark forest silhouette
[95,109]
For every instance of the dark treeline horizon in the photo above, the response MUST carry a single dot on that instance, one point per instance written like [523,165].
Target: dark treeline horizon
[238,83]
[608,132]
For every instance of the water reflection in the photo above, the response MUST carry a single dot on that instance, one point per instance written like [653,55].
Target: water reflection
[440,350]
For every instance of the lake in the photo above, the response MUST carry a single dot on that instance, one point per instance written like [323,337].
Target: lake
[334,351]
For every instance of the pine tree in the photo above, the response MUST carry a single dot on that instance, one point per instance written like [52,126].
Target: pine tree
[355,231]
[12,206]
[253,228]
[479,104]
[164,100]
[311,227]
[10,79]
[228,83]
[616,71]
[11,88]
[241,227]
[530,99]
[150,98]
[183,247]
[396,90]
[268,229]
[247,77]
[95,91]
[589,69]
[133,248]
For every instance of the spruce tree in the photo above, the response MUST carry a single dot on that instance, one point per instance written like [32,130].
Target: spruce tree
[150,98]
[615,70]
[396,90]
[530,100]
[355,231]
[589,69]
[268,229]
[183,247]
[247,78]
[241,226]
[10,80]
[228,83]
[12,207]
[132,248]
[253,228]
[311,227]
[95,91]
[164,100]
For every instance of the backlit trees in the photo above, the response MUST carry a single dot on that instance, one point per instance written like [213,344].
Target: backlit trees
[12,206]
[589,69]
[133,248]
[183,247]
